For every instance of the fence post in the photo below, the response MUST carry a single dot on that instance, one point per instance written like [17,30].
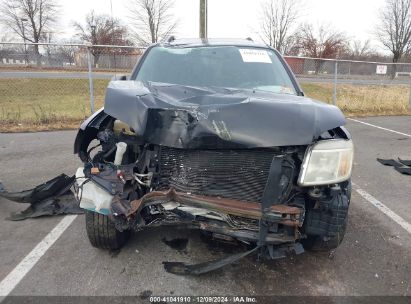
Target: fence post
[90,80]
[409,95]
[409,99]
[335,83]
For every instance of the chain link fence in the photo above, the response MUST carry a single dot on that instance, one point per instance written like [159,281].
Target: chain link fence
[61,84]
[57,84]
[357,87]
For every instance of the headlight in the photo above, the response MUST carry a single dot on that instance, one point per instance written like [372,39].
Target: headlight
[327,162]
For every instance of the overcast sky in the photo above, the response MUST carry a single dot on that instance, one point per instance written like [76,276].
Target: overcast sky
[239,18]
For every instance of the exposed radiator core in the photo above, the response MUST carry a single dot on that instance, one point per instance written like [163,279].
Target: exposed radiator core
[235,174]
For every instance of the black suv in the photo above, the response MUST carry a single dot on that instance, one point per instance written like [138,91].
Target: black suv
[216,135]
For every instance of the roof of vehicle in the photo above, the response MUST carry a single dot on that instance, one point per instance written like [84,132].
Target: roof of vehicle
[197,42]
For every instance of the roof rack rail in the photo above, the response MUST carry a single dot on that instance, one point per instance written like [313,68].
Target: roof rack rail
[249,39]
[171,39]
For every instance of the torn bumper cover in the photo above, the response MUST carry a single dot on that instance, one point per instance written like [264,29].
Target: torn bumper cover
[50,198]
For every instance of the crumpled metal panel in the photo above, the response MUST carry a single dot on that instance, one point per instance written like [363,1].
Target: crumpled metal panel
[191,118]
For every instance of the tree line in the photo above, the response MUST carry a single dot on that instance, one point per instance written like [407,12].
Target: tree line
[151,21]
[281,28]
[36,21]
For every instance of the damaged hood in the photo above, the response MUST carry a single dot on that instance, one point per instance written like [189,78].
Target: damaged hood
[190,117]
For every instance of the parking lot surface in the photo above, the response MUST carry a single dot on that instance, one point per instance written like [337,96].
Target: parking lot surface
[374,259]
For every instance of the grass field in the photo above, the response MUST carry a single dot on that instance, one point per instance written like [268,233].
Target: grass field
[50,104]
[363,100]
[31,104]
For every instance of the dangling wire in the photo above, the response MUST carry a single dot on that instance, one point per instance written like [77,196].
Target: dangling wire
[77,189]
[89,151]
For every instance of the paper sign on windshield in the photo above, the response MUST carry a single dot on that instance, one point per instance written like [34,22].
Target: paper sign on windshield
[254,55]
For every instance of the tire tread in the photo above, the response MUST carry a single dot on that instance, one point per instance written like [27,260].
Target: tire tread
[102,232]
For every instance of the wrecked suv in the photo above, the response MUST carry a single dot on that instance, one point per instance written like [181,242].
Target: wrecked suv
[218,136]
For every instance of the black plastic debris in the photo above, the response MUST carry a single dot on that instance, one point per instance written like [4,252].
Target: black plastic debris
[405,162]
[51,198]
[404,170]
[197,269]
[389,162]
[402,166]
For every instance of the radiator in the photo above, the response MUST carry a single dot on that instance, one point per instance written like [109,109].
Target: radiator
[234,174]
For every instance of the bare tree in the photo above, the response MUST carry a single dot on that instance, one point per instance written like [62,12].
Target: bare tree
[152,19]
[29,19]
[277,22]
[67,52]
[5,49]
[102,30]
[394,31]
[360,50]
[290,47]
[321,42]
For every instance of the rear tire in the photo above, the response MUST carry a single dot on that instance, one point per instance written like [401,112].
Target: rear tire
[102,232]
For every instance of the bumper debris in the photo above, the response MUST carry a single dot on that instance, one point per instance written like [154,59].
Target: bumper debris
[401,166]
[184,269]
[51,198]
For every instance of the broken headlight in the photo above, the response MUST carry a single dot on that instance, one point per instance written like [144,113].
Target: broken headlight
[327,162]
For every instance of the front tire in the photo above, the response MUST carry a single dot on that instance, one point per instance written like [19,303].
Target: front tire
[102,232]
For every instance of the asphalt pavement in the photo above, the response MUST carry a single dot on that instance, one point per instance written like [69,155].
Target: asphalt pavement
[373,260]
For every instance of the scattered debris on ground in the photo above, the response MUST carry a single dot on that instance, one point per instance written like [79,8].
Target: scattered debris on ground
[184,269]
[54,197]
[402,166]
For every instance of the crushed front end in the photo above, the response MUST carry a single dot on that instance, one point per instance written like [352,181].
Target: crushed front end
[252,195]
[219,191]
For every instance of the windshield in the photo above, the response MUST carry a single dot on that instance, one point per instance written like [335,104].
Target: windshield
[224,66]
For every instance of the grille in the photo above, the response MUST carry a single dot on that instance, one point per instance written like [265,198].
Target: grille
[235,174]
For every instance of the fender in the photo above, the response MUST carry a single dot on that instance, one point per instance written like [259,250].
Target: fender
[345,132]
[88,131]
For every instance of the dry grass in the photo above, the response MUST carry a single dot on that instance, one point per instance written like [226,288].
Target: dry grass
[53,104]
[363,100]
[33,68]
[44,104]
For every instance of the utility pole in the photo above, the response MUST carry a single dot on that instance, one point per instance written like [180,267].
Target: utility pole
[93,39]
[203,19]
[22,20]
